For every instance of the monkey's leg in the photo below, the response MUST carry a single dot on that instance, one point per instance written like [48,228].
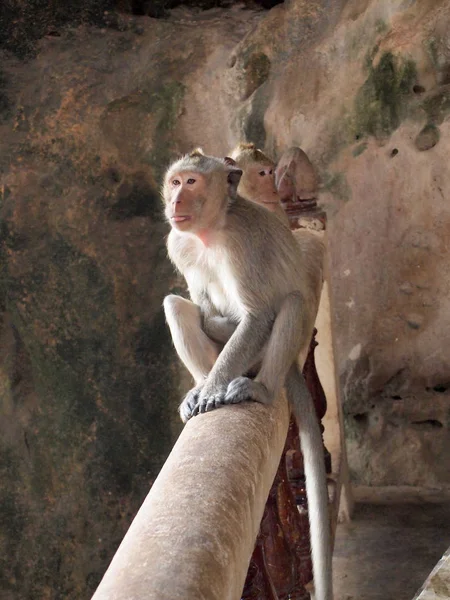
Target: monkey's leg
[197,351]
[238,355]
[302,405]
[219,329]
[288,335]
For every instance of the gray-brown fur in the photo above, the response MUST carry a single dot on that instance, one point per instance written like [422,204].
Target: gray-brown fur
[249,270]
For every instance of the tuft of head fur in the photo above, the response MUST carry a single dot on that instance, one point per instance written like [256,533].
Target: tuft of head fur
[244,154]
[197,152]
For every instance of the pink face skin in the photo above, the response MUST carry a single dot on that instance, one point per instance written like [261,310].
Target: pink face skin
[263,184]
[185,189]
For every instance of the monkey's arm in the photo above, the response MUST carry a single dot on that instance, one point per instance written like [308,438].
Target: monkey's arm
[287,337]
[236,358]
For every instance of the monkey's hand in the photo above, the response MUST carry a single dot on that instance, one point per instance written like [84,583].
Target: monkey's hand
[243,388]
[190,401]
[211,397]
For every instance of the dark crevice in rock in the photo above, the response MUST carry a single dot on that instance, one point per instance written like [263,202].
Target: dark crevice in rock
[360,418]
[427,424]
[22,24]
[135,200]
[440,388]
[158,8]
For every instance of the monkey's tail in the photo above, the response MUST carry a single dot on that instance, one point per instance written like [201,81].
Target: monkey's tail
[316,483]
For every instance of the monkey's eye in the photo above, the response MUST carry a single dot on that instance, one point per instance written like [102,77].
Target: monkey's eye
[262,173]
[176,182]
[271,171]
[191,180]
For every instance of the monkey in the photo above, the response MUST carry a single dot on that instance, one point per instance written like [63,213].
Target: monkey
[257,183]
[267,295]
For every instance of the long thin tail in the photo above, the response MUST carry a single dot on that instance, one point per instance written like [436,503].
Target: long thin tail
[316,483]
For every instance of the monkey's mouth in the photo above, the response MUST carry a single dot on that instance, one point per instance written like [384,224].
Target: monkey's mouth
[181,218]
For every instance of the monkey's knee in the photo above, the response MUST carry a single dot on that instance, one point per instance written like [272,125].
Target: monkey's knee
[172,304]
[176,306]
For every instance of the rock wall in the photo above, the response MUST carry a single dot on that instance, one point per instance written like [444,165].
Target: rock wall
[88,381]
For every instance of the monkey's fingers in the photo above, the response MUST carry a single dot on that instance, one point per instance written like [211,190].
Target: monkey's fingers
[210,400]
[189,403]
[243,388]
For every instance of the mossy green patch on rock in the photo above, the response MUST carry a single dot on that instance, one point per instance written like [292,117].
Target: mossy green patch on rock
[381,102]
[336,184]
[431,45]
[381,26]
[167,104]
[427,138]
[251,118]
[97,431]
[360,148]
[145,118]
[256,71]
[13,516]
[5,105]
[437,105]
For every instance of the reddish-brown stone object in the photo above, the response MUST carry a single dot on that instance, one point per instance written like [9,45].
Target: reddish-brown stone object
[284,535]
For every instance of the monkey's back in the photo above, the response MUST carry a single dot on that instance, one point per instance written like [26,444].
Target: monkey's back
[270,263]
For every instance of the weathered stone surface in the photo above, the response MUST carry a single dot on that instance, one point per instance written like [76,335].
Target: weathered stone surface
[427,137]
[204,506]
[87,125]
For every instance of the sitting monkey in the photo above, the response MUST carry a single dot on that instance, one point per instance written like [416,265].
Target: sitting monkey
[245,271]
[257,183]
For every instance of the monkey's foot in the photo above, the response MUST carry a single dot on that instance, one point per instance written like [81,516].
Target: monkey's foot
[190,401]
[210,400]
[243,388]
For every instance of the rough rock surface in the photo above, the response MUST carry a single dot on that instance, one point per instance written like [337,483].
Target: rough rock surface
[88,381]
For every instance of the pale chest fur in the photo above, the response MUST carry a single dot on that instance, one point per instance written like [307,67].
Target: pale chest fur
[211,275]
[208,273]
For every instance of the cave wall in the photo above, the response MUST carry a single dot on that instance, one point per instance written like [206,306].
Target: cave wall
[90,115]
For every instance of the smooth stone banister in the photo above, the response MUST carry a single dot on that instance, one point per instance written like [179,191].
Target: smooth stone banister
[193,537]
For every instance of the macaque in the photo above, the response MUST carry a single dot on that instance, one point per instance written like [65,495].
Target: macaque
[254,299]
[257,183]
[295,177]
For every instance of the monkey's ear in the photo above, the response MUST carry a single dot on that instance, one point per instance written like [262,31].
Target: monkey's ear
[233,179]
[230,161]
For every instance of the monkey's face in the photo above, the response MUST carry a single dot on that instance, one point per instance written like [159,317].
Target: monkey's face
[258,185]
[185,194]
[195,201]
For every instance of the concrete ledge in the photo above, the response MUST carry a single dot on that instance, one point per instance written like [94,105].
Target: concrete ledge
[400,494]
[195,532]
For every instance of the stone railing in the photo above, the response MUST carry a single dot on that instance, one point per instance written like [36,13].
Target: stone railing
[194,535]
